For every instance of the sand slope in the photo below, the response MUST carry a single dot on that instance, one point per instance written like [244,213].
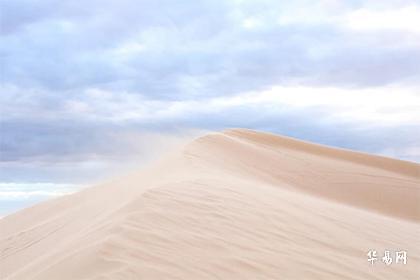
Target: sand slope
[234,205]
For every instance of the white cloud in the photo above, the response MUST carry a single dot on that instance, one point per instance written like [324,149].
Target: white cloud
[391,105]
[22,191]
[380,106]
[368,18]
[397,19]
[251,23]
[129,49]
[386,105]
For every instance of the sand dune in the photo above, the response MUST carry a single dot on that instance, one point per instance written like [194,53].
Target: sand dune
[234,205]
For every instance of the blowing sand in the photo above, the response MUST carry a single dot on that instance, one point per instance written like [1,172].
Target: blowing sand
[234,205]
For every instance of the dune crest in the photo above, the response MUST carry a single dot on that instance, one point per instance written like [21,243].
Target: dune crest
[239,204]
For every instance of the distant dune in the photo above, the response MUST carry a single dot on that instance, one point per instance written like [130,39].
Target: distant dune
[239,205]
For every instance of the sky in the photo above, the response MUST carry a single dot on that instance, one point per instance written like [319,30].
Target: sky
[90,87]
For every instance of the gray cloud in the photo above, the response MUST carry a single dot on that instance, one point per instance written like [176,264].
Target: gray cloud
[194,48]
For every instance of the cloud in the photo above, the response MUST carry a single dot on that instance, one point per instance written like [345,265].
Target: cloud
[390,105]
[406,18]
[87,84]
[172,50]
[16,191]
[104,125]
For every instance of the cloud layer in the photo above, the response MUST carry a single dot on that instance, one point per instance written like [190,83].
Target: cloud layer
[91,80]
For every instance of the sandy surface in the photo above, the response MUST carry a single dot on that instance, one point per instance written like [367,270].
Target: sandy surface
[233,205]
